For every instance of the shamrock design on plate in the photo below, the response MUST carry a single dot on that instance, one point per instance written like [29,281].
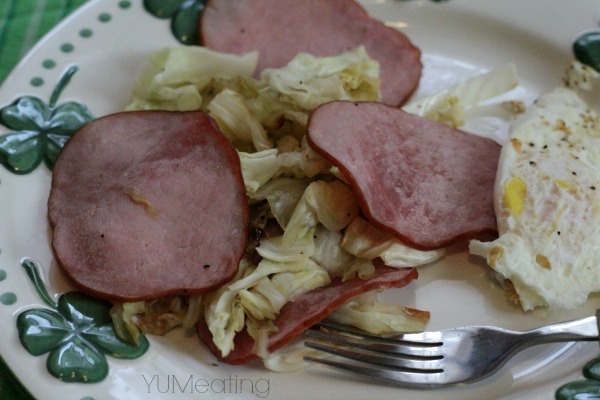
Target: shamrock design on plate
[77,332]
[588,388]
[40,130]
[184,16]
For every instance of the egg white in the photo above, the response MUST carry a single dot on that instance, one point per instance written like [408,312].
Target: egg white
[547,203]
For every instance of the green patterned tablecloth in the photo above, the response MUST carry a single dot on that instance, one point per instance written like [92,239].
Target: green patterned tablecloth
[22,24]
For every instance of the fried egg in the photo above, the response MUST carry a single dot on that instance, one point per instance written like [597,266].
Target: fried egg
[547,204]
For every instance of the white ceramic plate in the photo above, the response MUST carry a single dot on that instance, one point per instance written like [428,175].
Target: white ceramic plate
[108,41]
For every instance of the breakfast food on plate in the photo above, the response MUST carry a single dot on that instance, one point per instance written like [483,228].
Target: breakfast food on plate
[423,181]
[305,311]
[281,29]
[267,199]
[547,201]
[148,204]
[284,186]
[288,264]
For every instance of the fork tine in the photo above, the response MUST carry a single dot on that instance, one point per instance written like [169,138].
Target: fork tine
[431,338]
[420,347]
[407,379]
[397,362]
[407,360]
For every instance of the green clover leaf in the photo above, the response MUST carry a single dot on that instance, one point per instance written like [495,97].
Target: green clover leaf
[588,388]
[41,330]
[19,115]
[106,339]
[21,152]
[587,49]
[77,332]
[184,16]
[77,361]
[82,309]
[581,389]
[40,130]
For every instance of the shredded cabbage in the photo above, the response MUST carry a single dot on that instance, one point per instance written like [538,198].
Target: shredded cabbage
[268,267]
[173,78]
[363,240]
[303,162]
[237,121]
[282,194]
[332,204]
[260,330]
[318,233]
[155,317]
[329,252]
[290,358]
[368,313]
[448,106]
[258,168]
[123,318]
[308,81]
[194,312]
[258,293]
[224,313]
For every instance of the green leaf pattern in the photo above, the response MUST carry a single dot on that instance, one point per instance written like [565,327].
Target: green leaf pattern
[184,16]
[588,388]
[77,332]
[39,130]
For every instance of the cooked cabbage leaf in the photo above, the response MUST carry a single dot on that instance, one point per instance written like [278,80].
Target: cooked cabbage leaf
[259,292]
[448,106]
[332,204]
[282,194]
[258,168]
[237,121]
[368,313]
[366,241]
[308,81]
[172,78]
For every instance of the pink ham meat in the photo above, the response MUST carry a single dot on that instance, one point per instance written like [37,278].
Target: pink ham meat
[148,204]
[307,310]
[280,29]
[422,181]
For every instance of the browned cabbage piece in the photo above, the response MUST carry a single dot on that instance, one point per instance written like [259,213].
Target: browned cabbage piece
[148,204]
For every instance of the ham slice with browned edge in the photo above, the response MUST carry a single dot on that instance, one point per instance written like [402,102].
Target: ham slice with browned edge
[148,204]
[280,29]
[426,183]
[314,306]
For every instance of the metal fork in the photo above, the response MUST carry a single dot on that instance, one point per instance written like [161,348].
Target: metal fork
[436,359]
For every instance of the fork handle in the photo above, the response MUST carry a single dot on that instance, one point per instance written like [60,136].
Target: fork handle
[585,329]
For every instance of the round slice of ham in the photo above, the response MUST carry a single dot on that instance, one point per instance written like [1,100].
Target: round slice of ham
[147,204]
[422,181]
[280,29]
[308,309]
